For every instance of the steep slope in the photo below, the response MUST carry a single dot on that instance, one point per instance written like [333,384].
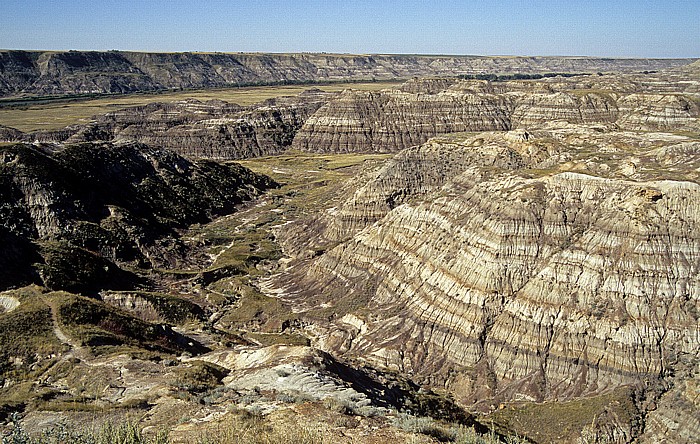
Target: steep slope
[81,72]
[393,119]
[522,266]
[84,207]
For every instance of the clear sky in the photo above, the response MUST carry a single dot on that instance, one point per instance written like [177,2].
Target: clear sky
[627,28]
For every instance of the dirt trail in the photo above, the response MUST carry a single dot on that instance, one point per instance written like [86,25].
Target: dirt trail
[76,349]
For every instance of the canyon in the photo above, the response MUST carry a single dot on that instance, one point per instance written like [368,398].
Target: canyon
[518,257]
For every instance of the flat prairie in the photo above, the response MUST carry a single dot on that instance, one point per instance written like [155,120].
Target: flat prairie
[59,113]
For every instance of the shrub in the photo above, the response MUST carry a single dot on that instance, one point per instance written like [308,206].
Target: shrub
[127,432]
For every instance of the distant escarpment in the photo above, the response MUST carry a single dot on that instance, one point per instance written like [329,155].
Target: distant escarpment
[519,266]
[393,119]
[71,215]
[86,72]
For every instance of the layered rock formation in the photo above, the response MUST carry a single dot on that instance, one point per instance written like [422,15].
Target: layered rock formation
[398,118]
[81,72]
[77,209]
[538,265]
[213,129]
[542,260]
[394,119]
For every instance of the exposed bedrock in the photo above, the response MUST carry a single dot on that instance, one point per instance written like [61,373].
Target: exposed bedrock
[536,109]
[419,170]
[213,129]
[649,112]
[398,118]
[80,72]
[71,213]
[518,266]
[394,119]
[416,171]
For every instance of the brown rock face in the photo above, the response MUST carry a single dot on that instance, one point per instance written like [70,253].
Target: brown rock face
[519,266]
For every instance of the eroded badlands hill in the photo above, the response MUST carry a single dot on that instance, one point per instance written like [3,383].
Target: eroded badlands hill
[398,118]
[535,269]
[80,72]
[533,265]
[392,119]
[71,213]
[214,129]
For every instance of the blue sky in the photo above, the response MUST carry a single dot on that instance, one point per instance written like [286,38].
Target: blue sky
[640,28]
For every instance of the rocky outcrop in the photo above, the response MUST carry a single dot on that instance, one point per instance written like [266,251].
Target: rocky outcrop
[394,119]
[101,204]
[83,72]
[416,172]
[676,412]
[390,120]
[517,266]
[652,112]
[8,304]
[536,109]
[213,129]
[8,134]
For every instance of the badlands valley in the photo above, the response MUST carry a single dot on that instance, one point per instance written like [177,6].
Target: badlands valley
[478,249]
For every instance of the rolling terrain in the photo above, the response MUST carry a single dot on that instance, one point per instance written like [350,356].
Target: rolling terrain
[446,260]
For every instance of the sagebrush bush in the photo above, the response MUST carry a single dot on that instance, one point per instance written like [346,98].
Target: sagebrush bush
[126,432]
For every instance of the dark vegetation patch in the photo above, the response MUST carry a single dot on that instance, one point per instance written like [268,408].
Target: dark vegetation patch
[199,376]
[99,325]
[74,269]
[102,206]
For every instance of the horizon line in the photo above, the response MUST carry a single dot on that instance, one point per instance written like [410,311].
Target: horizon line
[363,54]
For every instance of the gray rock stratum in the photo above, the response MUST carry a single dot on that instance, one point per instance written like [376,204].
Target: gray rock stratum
[214,129]
[393,119]
[551,264]
[81,72]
